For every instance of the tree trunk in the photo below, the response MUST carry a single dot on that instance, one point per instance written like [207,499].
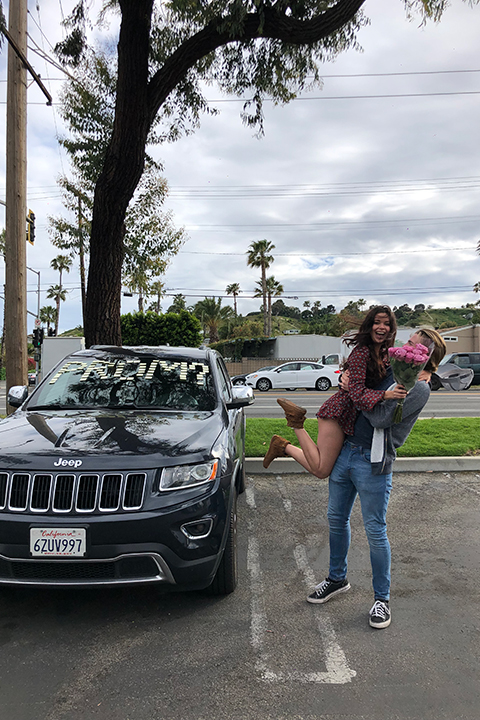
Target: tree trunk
[269,314]
[81,259]
[121,173]
[57,319]
[264,295]
[137,104]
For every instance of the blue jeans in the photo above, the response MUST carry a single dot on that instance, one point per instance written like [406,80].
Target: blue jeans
[352,476]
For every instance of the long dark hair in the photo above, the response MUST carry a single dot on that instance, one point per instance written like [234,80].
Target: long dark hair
[376,364]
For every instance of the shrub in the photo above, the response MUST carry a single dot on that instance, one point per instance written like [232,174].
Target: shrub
[148,328]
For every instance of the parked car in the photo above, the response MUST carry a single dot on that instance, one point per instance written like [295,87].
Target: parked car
[32,378]
[460,361]
[293,375]
[123,467]
[333,360]
[240,379]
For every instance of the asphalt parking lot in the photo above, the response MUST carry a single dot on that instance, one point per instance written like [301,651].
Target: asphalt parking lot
[425,665]
[264,653]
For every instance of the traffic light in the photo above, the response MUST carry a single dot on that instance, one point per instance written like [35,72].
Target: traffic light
[31,227]
[37,337]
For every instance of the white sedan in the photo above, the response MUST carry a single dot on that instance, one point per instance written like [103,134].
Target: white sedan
[293,375]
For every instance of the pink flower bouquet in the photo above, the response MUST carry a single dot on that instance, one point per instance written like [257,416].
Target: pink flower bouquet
[407,363]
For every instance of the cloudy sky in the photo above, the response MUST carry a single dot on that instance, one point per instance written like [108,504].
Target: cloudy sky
[368,188]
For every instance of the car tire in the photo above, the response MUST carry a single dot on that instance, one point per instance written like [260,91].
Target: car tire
[239,382]
[291,389]
[225,580]
[323,384]
[435,383]
[264,385]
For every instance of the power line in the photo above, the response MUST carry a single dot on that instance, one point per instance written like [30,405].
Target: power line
[402,251]
[337,223]
[301,294]
[324,97]
[353,97]
[394,74]
[460,180]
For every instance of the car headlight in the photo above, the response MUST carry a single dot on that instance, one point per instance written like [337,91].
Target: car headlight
[184,476]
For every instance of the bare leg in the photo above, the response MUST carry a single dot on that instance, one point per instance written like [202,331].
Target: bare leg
[318,458]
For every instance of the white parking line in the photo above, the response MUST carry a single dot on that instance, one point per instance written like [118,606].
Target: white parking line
[287,504]
[337,670]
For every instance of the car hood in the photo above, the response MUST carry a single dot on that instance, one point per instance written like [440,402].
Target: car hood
[26,436]
[453,377]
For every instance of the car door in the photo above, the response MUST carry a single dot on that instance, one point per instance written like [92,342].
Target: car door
[286,376]
[307,375]
[235,432]
[475,365]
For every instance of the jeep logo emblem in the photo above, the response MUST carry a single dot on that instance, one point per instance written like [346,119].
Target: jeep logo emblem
[61,462]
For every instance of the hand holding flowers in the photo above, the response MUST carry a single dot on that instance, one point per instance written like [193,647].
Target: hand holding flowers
[407,363]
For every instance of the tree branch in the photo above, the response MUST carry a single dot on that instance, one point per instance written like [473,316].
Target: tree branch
[267,24]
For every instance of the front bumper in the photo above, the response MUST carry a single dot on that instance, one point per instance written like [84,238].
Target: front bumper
[121,549]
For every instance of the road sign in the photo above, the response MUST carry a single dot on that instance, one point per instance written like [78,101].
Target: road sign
[38,322]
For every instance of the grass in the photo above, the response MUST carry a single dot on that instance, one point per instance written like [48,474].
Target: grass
[429,437]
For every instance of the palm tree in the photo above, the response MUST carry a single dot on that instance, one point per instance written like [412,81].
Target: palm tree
[137,282]
[258,257]
[179,303]
[157,287]
[274,289]
[211,315]
[57,293]
[233,289]
[48,315]
[61,263]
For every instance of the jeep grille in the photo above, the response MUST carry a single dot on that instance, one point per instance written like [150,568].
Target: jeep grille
[65,493]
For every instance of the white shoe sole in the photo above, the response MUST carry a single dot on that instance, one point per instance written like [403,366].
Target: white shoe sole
[320,601]
[379,626]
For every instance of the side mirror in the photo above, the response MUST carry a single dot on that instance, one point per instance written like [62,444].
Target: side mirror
[242,395]
[17,395]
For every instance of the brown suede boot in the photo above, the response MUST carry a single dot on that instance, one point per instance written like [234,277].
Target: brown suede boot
[294,414]
[276,449]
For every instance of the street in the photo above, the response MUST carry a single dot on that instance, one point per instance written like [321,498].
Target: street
[442,403]
[263,652]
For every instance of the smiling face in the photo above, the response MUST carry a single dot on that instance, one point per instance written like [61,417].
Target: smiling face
[380,328]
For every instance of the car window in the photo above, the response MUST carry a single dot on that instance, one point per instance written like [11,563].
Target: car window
[289,367]
[128,381]
[462,361]
[308,366]
[447,359]
[475,358]
[224,382]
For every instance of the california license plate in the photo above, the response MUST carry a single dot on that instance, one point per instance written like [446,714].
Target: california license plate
[58,542]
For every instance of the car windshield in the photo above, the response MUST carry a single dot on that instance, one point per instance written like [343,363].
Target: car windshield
[128,381]
[446,359]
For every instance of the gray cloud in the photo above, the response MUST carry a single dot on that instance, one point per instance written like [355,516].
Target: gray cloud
[362,197]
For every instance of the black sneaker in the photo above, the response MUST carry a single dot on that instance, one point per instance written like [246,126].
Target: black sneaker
[380,615]
[327,589]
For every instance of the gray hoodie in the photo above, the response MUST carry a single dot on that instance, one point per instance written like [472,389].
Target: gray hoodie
[387,437]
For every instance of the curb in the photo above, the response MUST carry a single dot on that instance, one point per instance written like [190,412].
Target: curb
[456,463]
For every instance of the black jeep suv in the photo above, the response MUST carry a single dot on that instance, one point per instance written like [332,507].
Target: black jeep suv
[124,466]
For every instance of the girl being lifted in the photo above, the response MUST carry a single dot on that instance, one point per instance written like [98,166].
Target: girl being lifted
[367,365]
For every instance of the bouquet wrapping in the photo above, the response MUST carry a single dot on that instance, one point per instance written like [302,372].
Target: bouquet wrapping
[407,363]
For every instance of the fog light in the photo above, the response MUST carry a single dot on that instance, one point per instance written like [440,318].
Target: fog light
[198,529]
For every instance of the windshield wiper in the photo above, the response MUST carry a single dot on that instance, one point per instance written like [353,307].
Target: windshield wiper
[53,406]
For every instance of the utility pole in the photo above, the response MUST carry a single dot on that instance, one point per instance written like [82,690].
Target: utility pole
[16,203]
